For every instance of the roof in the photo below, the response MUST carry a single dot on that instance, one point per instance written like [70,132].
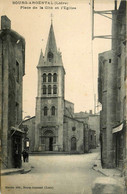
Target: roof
[16,129]
[51,44]
[74,119]
[41,60]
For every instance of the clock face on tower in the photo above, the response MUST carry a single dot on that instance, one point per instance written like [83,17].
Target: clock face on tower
[50,55]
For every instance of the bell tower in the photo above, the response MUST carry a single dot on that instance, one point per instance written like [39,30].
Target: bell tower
[50,98]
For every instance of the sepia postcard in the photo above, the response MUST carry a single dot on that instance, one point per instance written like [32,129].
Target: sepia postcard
[50,97]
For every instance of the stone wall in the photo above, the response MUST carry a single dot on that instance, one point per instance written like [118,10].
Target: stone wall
[112,93]
[12,51]
[73,128]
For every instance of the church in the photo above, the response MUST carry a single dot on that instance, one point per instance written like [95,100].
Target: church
[54,127]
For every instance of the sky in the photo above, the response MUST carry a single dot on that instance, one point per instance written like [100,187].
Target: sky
[72,28]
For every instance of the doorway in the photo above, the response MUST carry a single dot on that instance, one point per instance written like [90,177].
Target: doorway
[49,144]
[16,151]
[73,144]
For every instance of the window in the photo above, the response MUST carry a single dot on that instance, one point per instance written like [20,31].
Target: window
[45,111]
[44,77]
[50,56]
[110,60]
[73,128]
[54,77]
[49,77]
[49,89]
[53,110]
[44,89]
[54,89]
[17,71]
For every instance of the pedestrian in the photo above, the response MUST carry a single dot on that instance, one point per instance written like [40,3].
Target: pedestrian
[27,156]
[24,153]
[16,159]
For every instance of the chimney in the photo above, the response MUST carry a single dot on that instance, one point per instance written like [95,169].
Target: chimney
[5,23]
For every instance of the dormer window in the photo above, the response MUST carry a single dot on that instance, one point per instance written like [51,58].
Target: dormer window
[50,56]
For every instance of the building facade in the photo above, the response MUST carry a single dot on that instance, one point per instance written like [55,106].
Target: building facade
[112,93]
[92,124]
[12,70]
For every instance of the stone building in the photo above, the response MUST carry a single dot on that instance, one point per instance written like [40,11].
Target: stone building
[112,93]
[92,122]
[12,70]
[54,126]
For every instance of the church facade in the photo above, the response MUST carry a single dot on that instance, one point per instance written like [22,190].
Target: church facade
[55,127]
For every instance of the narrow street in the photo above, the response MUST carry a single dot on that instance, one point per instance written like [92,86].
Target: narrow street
[55,174]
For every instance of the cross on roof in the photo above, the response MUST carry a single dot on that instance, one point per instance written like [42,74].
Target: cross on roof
[51,17]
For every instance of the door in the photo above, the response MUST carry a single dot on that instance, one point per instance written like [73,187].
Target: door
[51,144]
[73,144]
[16,149]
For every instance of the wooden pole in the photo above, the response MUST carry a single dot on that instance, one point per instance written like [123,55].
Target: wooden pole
[92,11]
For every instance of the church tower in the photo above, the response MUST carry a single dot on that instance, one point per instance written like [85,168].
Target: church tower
[50,98]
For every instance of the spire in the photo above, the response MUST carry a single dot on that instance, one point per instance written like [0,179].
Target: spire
[51,18]
[51,48]
[41,59]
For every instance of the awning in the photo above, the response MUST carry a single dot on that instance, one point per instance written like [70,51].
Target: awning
[15,129]
[118,128]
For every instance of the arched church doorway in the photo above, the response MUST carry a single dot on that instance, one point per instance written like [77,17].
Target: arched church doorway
[49,140]
[73,144]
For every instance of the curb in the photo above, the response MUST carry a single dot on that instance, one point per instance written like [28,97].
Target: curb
[97,170]
[26,171]
[19,171]
[12,172]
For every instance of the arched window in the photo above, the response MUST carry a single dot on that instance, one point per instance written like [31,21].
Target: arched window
[49,89]
[54,89]
[49,77]
[45,111]
[54,77]
[44,89]
[53,110]
[44,77]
